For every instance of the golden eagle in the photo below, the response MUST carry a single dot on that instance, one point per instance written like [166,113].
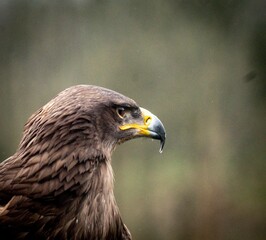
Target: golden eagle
[59,183]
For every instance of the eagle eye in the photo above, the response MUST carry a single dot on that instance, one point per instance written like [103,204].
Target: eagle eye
[121,112]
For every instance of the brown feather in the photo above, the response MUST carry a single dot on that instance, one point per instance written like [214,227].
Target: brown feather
[59,183]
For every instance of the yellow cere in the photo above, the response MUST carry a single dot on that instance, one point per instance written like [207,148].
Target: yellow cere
[142,128]
[147,119]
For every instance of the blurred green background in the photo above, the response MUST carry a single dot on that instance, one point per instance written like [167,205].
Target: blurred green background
[199,65]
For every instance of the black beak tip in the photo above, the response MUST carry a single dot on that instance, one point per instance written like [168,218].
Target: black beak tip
[160,134]
[162,142]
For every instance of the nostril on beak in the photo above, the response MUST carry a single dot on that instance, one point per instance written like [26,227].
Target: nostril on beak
[147,120]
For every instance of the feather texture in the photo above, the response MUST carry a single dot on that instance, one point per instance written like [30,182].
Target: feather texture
[59,183]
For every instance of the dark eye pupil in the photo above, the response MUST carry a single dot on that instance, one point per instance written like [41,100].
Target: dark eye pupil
[121,112]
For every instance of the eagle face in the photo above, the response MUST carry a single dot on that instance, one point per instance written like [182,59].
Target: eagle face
[128,121]
[115,117]
[125,120]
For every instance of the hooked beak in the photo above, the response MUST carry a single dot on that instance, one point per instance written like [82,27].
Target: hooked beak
[150,127]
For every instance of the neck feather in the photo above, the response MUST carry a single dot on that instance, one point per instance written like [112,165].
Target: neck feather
[99,213]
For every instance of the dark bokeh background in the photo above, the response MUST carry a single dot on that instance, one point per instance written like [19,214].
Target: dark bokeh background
[199,65]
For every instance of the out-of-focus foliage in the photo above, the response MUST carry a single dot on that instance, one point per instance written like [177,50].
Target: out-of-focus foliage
[199,65]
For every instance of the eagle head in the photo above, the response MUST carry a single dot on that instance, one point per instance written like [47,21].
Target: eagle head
[94,117]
